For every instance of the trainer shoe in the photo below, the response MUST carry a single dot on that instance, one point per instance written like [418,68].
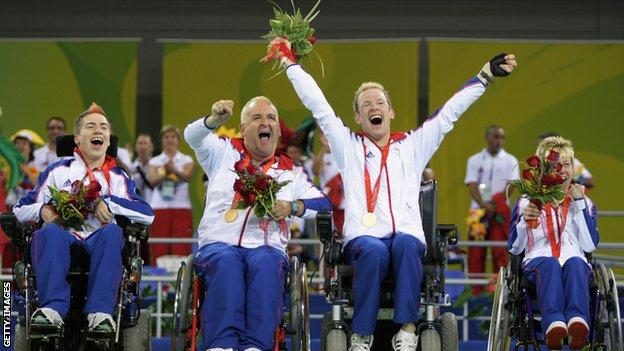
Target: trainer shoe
[101,322]
[45,317]
[555,334]
[577,331]
[404,341]
[361,342]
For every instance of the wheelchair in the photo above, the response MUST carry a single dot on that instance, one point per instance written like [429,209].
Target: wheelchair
[436,332]
[189,298]
[133,324]
[515,322]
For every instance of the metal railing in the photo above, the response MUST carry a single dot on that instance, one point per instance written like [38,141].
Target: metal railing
[159,315]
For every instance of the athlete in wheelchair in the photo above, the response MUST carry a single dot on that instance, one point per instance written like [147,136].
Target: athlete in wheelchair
[241,265]
[434,331]
[552,289]
[91,269]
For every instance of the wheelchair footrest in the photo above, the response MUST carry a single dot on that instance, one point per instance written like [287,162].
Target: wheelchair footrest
[45,332]
[98,335]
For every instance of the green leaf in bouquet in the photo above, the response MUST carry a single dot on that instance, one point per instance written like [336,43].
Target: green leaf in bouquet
[259,211]
[276,25]
[241,205]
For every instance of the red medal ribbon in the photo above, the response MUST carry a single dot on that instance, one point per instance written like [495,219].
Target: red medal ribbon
[372,194]
[109,162]
[555,245]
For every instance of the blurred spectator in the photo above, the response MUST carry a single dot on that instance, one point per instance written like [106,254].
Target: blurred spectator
[325,168]
[581,173]
[144,149]
[25,141]
[46,155]
[169,174]
[428,175]
[124,158]
[487,174]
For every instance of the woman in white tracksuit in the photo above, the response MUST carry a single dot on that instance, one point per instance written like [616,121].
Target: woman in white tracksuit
[554,253]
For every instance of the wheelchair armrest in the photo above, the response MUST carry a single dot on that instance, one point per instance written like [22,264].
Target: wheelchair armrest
[515,263]
[15,230]
[333,253]
[324,227]
[129,228]
[448,231]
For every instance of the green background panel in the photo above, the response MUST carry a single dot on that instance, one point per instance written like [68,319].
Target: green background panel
[42,79]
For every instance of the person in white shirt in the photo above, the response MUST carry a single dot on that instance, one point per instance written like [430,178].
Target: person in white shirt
[381,172]
[144,149]
[326,169]
[487,174]
[242,259]
[46,155]
[554,252]
[169,174]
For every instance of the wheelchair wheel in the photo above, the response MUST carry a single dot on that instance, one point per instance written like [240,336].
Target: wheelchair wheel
[448,332]
[138,337]
[430,340]
[183,306]
[609,307]
[299,308]
[498,336]
[20,339]
[333,338]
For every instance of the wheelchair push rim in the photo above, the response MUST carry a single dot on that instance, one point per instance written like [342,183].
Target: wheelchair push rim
[299,306]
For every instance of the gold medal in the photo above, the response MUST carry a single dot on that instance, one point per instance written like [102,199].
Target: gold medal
[231,215]
[369,219]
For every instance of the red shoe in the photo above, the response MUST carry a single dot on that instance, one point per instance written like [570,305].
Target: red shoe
[555,334]
[577,330]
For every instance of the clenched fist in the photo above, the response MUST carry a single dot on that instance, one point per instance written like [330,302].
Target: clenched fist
[500,66]
[221,112]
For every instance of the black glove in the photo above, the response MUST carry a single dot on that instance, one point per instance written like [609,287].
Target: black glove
[495,63]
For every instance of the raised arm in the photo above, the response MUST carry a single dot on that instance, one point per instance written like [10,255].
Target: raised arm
[209,149]
[429,136]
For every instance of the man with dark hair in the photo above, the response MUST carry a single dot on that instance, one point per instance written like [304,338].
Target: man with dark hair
[487,174]
[144,149]
[581,173]
[46,155]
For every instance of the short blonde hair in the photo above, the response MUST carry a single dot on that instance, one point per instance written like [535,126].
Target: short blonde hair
[252,101]
[170,128]
[366,86]
[562,146]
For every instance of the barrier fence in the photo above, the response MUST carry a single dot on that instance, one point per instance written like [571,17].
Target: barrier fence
[484,279]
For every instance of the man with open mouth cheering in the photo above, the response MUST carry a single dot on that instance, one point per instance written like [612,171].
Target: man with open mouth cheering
[242,257]
[381,172]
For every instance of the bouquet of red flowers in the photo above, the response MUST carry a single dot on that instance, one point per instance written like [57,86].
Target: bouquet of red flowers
[292,34]
[75,205]
[255,189]
[541,182]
